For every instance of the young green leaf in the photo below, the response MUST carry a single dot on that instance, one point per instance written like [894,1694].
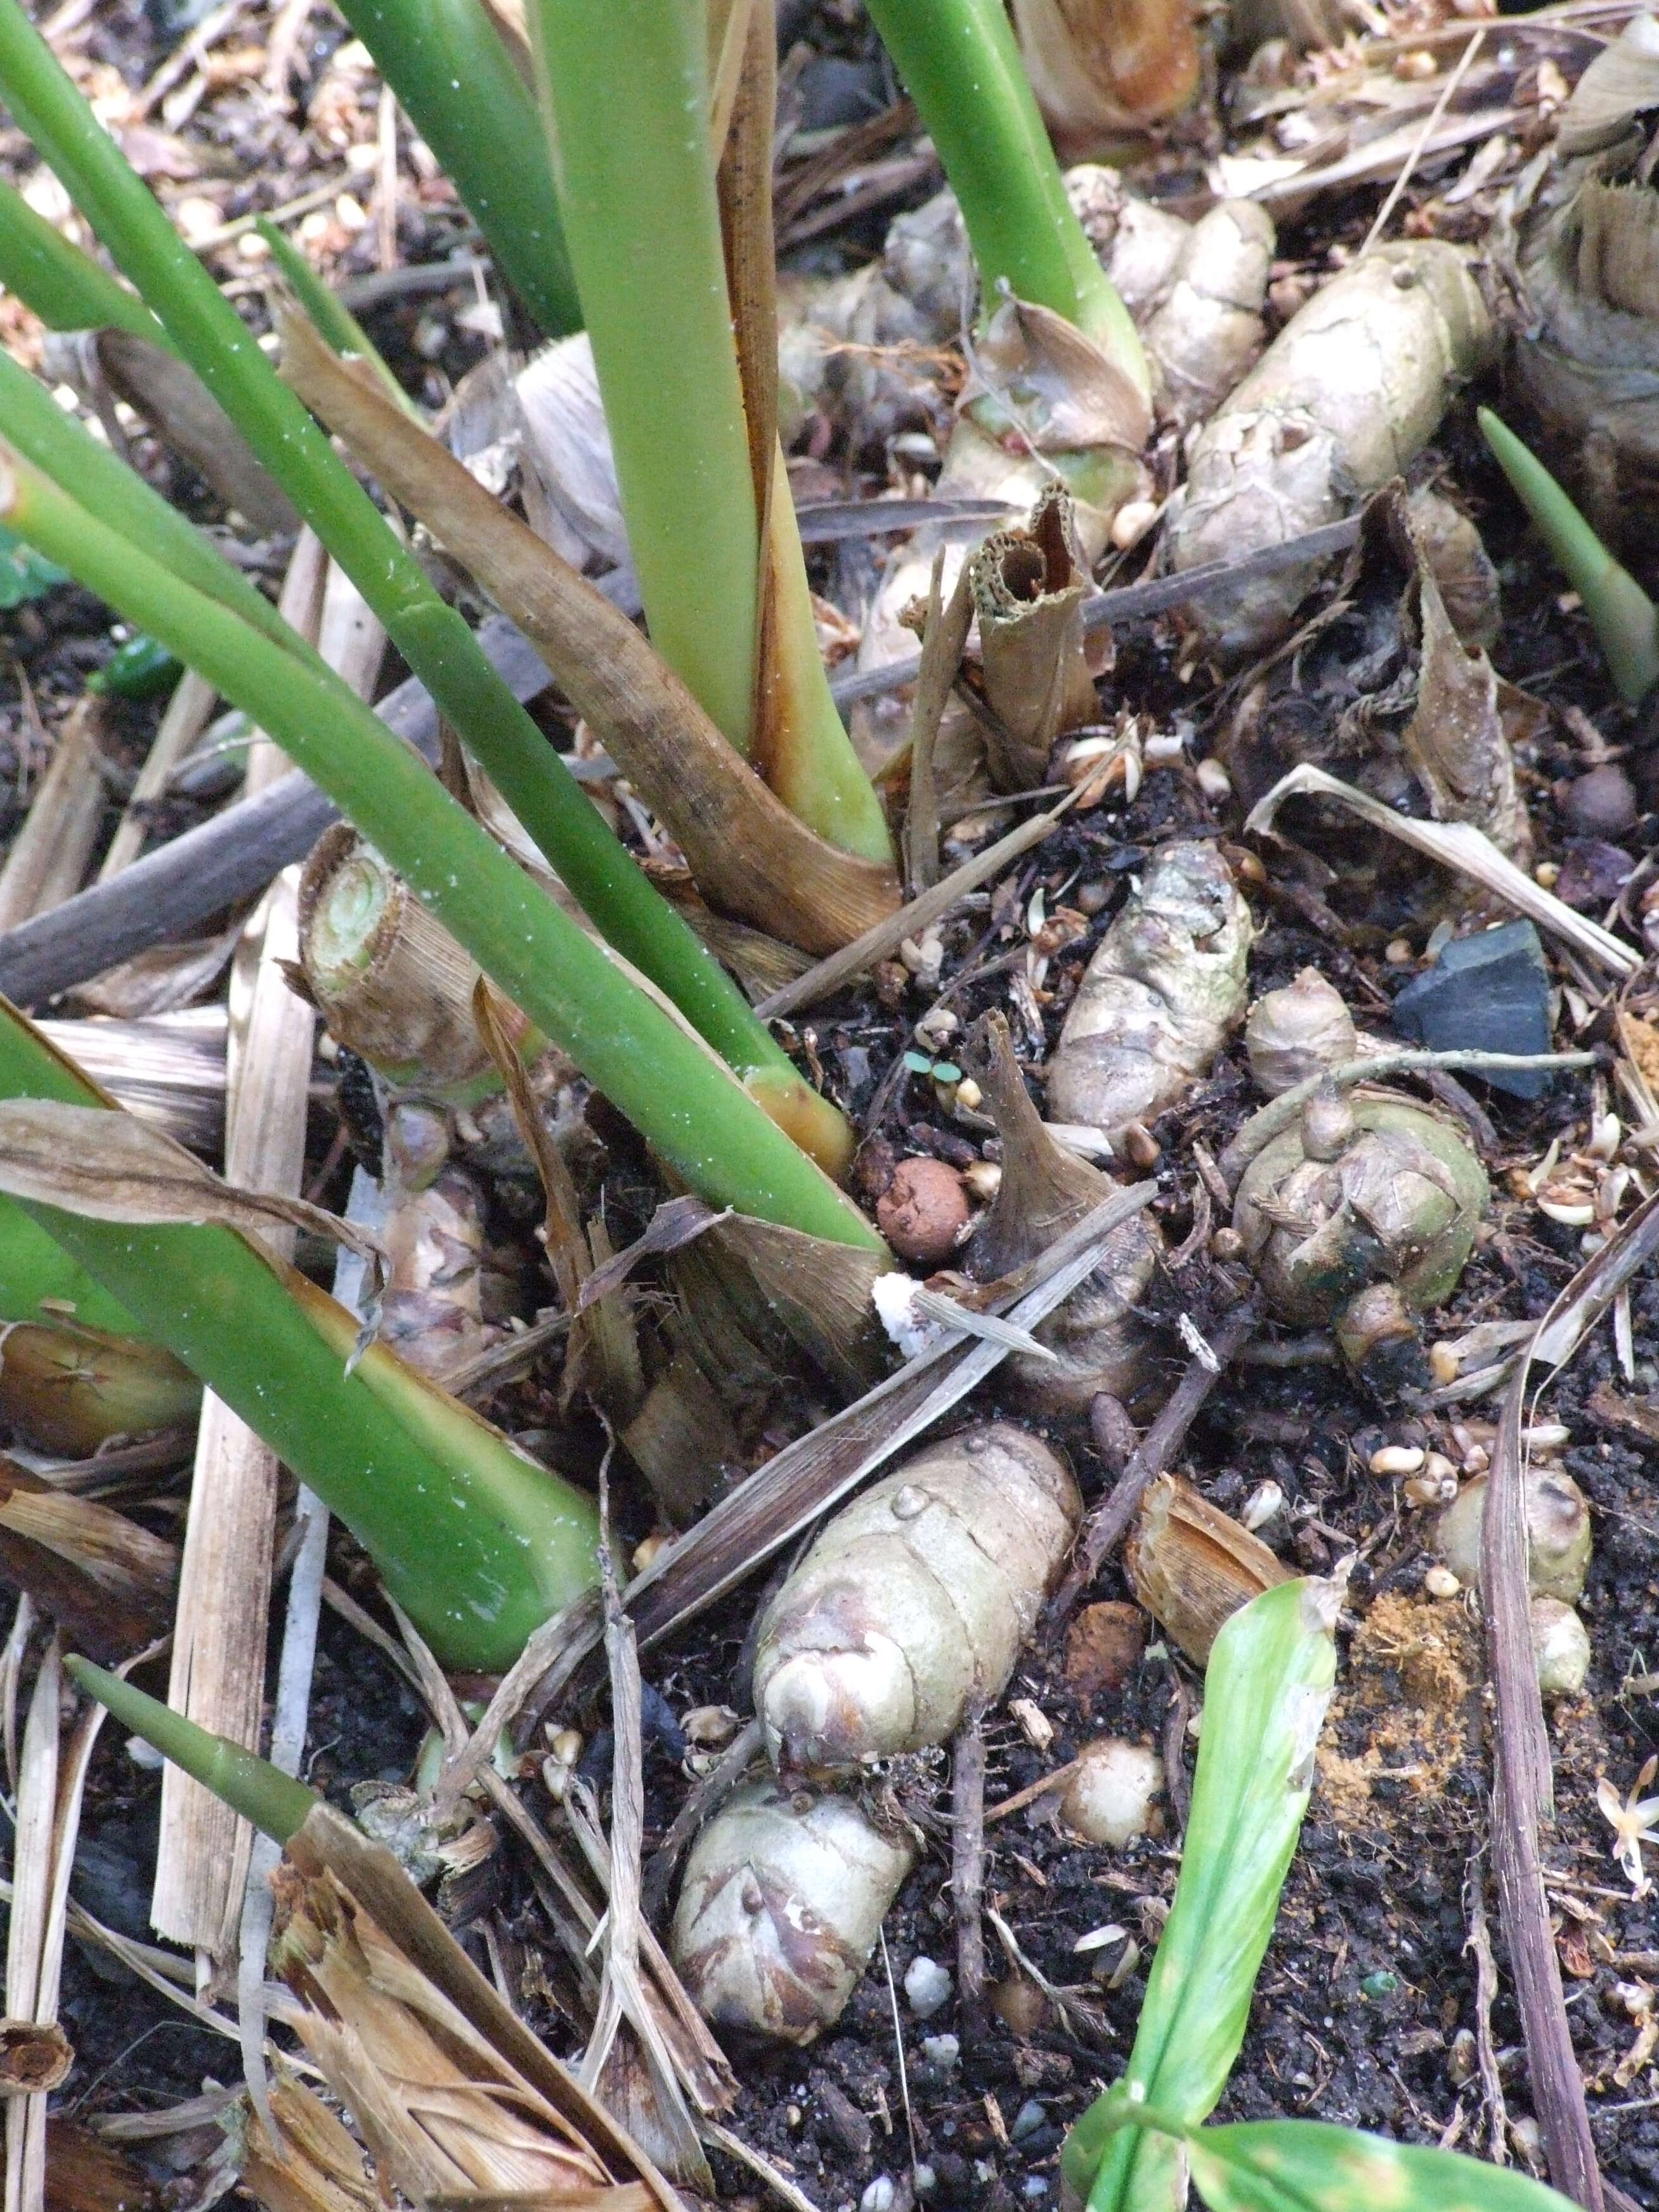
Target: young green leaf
[56,281]
[24,574]
[1265,1693]
[1626,621]
[1306,2166]
[262,1793]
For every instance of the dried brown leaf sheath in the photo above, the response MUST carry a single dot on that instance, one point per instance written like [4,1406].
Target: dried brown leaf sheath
[453,2093]
[914,1601]
[750,853]
[113,1167]
[1101,67]
[1029,587]
[1192,1566]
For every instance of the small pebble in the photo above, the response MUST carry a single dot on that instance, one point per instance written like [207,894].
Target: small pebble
[878,2197]
[1398,953]
[1444,1364]
[1035,2188]
[923,2180]
[1027,2120]
[1440,1581]
[923,1211]
[1600,805]
[926,1987]
[1265,1503]
[941,2052]
[1398,1459]
[1212,780]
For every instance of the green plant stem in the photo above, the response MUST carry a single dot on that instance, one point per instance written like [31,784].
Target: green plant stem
[962,67]
[447,64]
[704,1126]
[60,447]
[432,637]
[1626,619]
[628,122]
[34,1267]
[274,1802]
[56,281]
[628,108]
[331,316]
[476,1542]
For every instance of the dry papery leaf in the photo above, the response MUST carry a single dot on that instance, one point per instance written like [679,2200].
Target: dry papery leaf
[113,363]
[107,1580]
[1100,68]
[750,855]
[1464,850]
[110,1166]
[453,2093]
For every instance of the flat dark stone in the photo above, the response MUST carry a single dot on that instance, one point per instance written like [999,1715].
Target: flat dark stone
[1485,994]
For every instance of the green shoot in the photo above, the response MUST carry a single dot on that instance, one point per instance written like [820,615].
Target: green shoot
[1626,619]
[447,64]
[433,638]
[1265,1693]
[476,1542]
[39,1281]
[704,1126]
[627,106]
[274,1802]
[62,448]
[332,318]
[962,67]
[1308,2166]
[56,281]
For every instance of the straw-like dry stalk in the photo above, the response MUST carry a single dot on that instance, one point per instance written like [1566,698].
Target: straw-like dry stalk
[1192,1566]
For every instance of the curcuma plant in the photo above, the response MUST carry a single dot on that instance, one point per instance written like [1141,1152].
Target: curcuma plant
[1138,2147]
[622,186]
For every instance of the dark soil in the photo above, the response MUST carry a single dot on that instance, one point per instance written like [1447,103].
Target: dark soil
[1368,1997]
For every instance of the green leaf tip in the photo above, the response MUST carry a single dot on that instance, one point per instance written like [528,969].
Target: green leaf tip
[1291,2165]
[1626,619]
[273,1802]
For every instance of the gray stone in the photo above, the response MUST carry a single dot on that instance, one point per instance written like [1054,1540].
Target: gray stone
[1489,993]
